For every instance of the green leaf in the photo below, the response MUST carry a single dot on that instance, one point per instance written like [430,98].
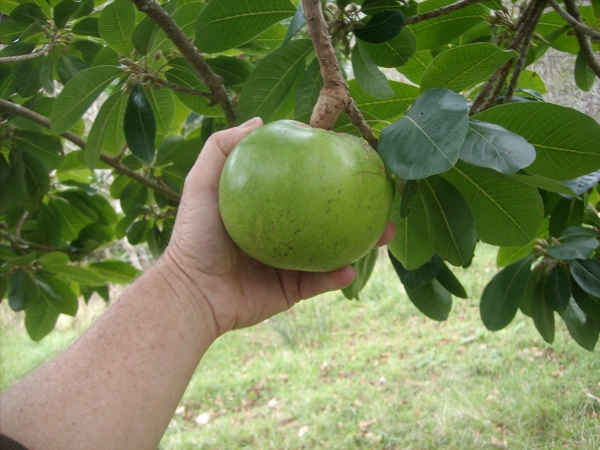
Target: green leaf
[416,278]
[47,148]
[88,50]
[502,296]
[233,70]
[28,13]
[587,274]
[389,108]
[408,193]
[133,198]
[544,183]
[64,10]
[450,223]
[415,67]
[557,289]
[411,245]
[308,91]
[68,66]
[489,145]
[368,76]
[140,124]
[584,75]
[13,186]
[225,24]
[53,258]
[79,94]
[163,106]
[138,231]
[567,142]
[64,299]
[269,84]
[363,267]
[70,219]
[441,30]
[46,74]
[427,139]
[117,24]
[394,52]
[589,305]
[586,335]
[37,180]
[75,273]
[567,212]
[10,31]
[185,16]
[507,213]
[108,115]
[381,27]
[88,26]
[449,281]
[115,271]
[542,314]
[40,319]
[463,67]
[28,77]
[298,21]
[17,295]
[578,248]
[145,32]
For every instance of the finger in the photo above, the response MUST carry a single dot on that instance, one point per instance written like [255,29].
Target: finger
[208,167]
[315,283]
[388,234]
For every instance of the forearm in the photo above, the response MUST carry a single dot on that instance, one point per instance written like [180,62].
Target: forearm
[118,385]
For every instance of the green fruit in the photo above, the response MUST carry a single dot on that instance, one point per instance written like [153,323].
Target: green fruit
[302,198]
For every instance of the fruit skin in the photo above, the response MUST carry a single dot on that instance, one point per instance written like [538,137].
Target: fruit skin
[303,198]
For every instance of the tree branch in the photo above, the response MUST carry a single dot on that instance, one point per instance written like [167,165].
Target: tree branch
[584,43]
[573,19]
[22,242]
[214,82]
[77,140]
[440,12]
[334,96]
[17,58]
[176,87]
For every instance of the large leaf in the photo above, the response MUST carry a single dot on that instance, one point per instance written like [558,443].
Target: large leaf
[394,52]
[78,274]
[145,32]
[587,274]
[233,70]
[368,76]
[489,145]
[557,289]
[432,299]
[27,13]
[544,183]
[47,148]
[542,314]
[269,84]
[411,245]
[163,105]
[388,108]
[71,220]
[64,10]
[224,24]
[507,213]
[415,67]
[502,296]
[115,271]
[37,181]
[140,124]
[185,16]
[40,319]
[577,248]
[567,142]
[586,334]
[298,21]
[381,27]
[450,222]
[416,278]
[464,66]
[79,94]
[28,80]
[116,25]
[308,91]
[427,139]
[447,279]
[584,75]
[438,31]
[58,294]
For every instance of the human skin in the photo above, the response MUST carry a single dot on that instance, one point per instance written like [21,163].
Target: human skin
[119,384]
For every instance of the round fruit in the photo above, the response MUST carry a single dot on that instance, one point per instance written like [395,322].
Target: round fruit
[303,198]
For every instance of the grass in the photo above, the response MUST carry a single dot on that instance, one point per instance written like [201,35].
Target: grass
[374,374]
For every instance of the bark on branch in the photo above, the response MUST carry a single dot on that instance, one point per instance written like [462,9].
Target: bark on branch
[573,19]
[334,96]
[214,82]
[584,43]
[17,58]
[6,106]
[15,240]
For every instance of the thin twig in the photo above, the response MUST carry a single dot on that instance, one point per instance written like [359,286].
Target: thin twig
[176,87]
[77,140]
[440,11]
[20,224]
[334,96]
[22,242]
[574,22]
[17,58]
[584,43]
[214,82]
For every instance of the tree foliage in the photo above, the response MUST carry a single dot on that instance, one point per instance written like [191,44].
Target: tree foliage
[476,152]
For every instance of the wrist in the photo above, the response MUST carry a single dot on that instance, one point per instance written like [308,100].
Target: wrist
[188,294]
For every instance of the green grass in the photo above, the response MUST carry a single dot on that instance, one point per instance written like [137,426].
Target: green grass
[376,374]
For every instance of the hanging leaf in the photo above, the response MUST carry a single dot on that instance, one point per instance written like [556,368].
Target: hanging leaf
[542,314]
[503,295]
[225,24]
[507,213]
[58,294]
[78,274]
[183,74]
[64,10]
[450,223]
[117,24]
[115,271]
[381,27]
[40,319]
[464,66]
[47,148]
[567,142]
[586,302]
[298,21]
[140,124]
[138,231]
[427,139]
[577,248]
[584,75]
[395,52]
[270,82]
[308,91]
[408,193]
[234,71]
[363,267]
[133,199]
[489,145]
[145,32]
[544,183]
[28,13]
[37,181]
[162,103]
[587,274]
[389,108]
[368,76]
[566,213]
[415,67]
[447,279]
[88,26]
[418,277]
[557,289]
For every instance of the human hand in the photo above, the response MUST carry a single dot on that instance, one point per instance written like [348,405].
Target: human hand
[239,290]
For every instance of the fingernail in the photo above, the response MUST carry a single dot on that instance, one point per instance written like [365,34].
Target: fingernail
[248,123]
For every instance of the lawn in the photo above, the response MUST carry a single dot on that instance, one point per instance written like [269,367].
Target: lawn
[374,374]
